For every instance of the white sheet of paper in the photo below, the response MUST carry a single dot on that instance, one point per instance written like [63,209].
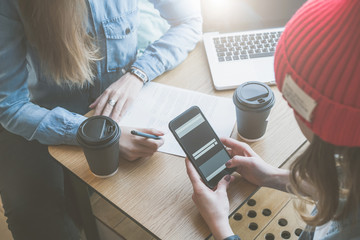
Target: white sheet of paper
[157,104]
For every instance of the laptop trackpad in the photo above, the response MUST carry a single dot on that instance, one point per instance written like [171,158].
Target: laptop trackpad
[232,74]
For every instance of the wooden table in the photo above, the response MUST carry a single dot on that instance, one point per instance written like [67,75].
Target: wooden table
[156,192]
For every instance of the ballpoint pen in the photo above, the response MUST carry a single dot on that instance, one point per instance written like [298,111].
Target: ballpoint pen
[147,135]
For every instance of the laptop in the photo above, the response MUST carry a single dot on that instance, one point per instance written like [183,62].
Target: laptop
[248,54]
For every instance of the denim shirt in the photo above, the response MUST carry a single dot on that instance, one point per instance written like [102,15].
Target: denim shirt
[36,108]
[348,228]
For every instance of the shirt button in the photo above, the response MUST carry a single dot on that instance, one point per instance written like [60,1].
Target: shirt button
[123,70]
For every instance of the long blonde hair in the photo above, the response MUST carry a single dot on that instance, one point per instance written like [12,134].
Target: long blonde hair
[57,29]
[333,180]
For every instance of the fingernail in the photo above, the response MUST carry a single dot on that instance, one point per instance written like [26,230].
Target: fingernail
[227,178]
[228,163]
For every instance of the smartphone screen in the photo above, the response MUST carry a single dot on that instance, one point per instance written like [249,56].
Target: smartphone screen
[201,145]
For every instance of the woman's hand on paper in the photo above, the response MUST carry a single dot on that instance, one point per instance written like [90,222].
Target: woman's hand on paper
[134,147]
[114,101]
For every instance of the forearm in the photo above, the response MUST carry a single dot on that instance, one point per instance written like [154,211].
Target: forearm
[278,179]
[185,31]
[50,127]
[221,229]
[167,52]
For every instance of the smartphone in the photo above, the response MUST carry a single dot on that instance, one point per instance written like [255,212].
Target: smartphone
[201,145]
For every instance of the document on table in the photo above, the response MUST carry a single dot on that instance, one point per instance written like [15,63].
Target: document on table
[157,104]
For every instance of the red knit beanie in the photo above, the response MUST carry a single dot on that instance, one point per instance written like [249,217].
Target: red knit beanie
[317,68]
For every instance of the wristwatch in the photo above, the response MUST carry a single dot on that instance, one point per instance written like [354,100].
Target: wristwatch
[140,74]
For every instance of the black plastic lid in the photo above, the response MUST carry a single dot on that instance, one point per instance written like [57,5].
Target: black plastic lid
[253,95]
[98,130]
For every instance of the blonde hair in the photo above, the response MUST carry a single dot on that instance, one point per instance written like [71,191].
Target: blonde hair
[333,180]
[57,29]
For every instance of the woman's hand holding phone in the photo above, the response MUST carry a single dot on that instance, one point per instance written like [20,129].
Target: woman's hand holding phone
[213,205]
[252,167]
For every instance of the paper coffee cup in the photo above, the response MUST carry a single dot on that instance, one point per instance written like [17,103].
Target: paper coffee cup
[253,102]
[99,138]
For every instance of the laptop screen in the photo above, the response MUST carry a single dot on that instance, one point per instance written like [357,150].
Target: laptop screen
[243,15]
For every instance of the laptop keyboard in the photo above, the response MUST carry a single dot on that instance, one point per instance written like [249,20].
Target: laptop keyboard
[246,46]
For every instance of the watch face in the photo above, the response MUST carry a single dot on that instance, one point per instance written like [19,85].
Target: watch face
[139,74]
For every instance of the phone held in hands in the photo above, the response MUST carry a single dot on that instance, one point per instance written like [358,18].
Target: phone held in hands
[201,145]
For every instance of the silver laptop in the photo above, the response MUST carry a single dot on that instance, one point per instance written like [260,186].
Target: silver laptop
[248,54]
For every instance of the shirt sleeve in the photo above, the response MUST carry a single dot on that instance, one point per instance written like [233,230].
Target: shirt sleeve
[173,47]
[233,237]
[17,113]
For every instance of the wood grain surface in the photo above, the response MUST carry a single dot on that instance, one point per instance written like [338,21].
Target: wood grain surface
[156,192]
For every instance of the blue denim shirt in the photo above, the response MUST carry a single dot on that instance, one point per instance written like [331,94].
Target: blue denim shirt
[348,228]
[36,108]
